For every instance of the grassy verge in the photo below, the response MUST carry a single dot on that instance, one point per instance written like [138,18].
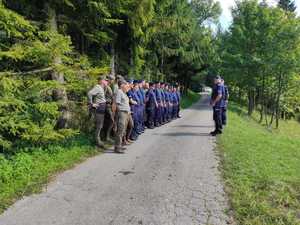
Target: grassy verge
[262,171]
[189,99]
[26,172]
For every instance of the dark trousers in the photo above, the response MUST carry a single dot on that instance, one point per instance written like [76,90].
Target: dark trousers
[167,118]
[158,115]
[135,129]
[163,114]
[224,116]
[178,109]
[175,111]
[170,112]
[218,118]
[150,117]
[141,118]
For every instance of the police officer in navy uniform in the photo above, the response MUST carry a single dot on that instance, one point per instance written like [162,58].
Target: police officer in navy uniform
[134,102]
[141,95]
[151,106]
[226,98]
[159,103]
[217,102]
[174,103]
[163,107]
[178,95]
[167,102]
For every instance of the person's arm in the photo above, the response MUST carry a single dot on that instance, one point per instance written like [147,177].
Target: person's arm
[131,101]
[219,96]
[91,94]
[227,93]
[154,99]
[118,99]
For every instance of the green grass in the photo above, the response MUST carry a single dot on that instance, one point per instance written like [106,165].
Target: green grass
[26,172]
[262,171]
[189,99]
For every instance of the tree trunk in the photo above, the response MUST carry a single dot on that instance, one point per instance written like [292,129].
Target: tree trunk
[262,100]
[277,109]
[251,102]
[273,111]
[60,94]
[240,96]
[266,108]
[113,60]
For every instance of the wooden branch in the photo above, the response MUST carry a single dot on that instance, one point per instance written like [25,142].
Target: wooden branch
[28,72]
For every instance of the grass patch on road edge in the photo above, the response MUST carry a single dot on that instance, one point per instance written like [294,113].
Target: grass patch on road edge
[189,99]
[262,171]
[29,170]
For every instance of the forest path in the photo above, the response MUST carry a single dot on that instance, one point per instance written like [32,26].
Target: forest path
[169,176]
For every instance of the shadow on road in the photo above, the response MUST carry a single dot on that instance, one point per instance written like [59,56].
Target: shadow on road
[109,151]
[197,126]
[183,134]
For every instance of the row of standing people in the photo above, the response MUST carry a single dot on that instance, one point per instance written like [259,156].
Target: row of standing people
[128,107]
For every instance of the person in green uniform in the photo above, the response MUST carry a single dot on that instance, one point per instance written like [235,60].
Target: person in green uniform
[123,112]
[97,102]
[110,109]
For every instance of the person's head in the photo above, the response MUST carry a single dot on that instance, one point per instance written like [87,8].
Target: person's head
[146,85]
[102,81]
[110,79]
[157,84]
[119,77]
[166,87]
[162,85]
[136,85]
[217,79]
[130,83]
[123,85]
[151,85]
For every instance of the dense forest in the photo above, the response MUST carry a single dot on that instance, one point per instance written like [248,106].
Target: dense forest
[51,53]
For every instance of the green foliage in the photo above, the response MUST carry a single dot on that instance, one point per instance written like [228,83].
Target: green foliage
[13,25]
[189,99]
[260,56]
[262,170]
[27,171]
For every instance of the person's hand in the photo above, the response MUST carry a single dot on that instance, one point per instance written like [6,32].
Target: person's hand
[94,105]
[114,108]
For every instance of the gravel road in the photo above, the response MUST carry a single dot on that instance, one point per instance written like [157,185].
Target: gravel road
[169,176]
